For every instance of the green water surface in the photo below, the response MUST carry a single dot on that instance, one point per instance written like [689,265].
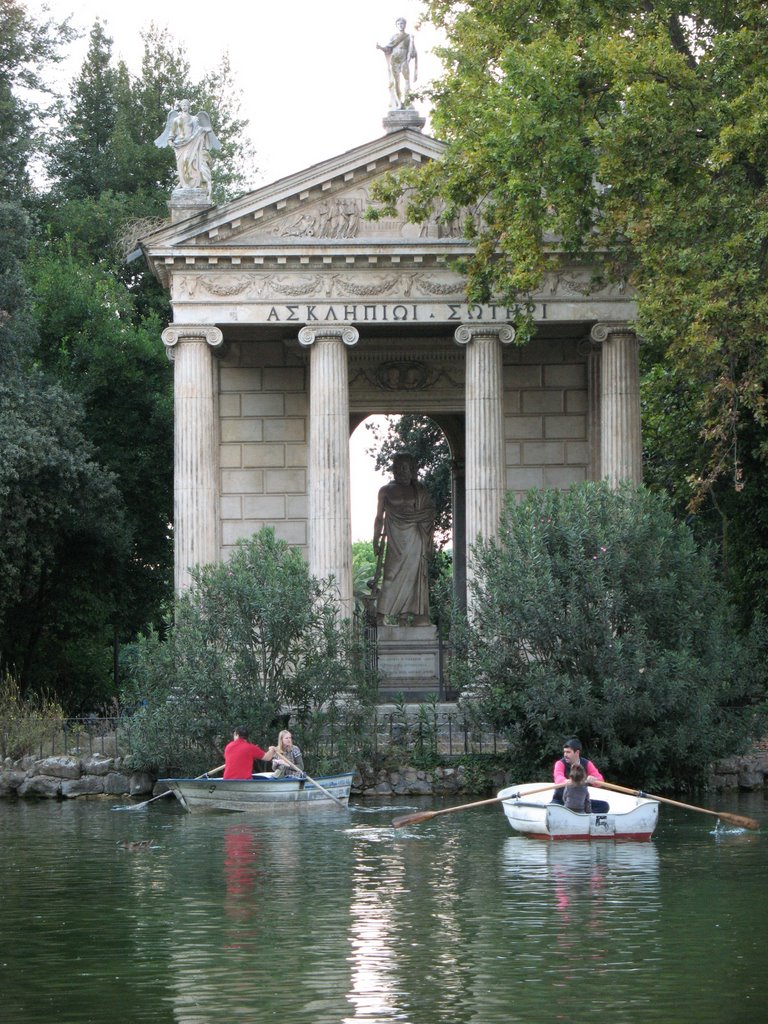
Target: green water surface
[322,916]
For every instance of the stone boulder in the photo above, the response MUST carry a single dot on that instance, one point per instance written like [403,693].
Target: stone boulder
[46,786]
[60,767]
[140,783]
[88,785]
[10,780]
[98,764]
[117,784]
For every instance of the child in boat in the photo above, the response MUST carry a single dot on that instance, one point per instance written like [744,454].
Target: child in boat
[576,793]
[287,752]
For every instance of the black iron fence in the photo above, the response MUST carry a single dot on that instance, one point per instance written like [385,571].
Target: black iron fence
[413,729]
[78,737]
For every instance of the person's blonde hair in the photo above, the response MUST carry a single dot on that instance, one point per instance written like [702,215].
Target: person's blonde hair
[283,732]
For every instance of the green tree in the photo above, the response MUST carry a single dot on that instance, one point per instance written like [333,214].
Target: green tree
[91,343]
[250,637]
[61,542]
[26,46]
[633,134]
[601,617]
[81,154]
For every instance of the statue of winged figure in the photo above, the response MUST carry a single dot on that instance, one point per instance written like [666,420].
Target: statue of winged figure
[192,139]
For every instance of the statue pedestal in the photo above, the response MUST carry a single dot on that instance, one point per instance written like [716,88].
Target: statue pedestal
[403,117]
[186,202]
[408,661]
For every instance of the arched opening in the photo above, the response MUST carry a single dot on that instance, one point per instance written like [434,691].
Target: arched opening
[437,446]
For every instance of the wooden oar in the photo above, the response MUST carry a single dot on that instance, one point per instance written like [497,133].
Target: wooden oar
[416,819]
[738,820]
[330,795]
[168,792]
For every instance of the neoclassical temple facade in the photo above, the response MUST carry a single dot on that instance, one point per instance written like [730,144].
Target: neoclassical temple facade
[295,318]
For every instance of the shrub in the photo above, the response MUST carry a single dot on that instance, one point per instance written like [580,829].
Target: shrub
[250,638]
[25,723]
[597,615]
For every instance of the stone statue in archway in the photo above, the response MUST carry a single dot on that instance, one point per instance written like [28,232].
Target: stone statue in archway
[399,52]
[403,532]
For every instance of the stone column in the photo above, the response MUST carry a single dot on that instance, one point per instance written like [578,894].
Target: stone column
[593,410]
[330,517]
[620,437]
[484,457]
[195,490]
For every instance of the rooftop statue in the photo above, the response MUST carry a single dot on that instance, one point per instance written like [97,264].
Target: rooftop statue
[399,52]
[192,139]
[405,520]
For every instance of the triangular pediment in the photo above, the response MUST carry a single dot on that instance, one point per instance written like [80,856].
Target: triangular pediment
[318,207]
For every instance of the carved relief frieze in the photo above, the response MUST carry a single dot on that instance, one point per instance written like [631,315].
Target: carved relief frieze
[331,218]
[578,283]
[404,375]
[426,284]
[258,285]
[374,369]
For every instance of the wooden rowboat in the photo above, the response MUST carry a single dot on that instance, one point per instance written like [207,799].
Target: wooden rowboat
[627,817]
[261,791]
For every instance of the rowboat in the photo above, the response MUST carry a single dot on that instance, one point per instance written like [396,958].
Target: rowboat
[535,816]
[263,790]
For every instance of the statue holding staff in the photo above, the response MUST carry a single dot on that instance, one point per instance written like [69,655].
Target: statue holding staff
[399,52]
[405,522]
[192,139]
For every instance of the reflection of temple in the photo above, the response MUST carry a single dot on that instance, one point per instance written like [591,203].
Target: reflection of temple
[294,318]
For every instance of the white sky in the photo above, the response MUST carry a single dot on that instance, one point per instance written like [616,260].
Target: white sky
[313,86]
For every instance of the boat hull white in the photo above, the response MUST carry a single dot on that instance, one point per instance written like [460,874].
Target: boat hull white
[261,791]
[628,817]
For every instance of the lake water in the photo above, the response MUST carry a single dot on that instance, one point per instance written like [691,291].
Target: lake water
[322,916]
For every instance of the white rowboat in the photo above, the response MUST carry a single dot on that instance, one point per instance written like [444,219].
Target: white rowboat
[627,817]
[260,791]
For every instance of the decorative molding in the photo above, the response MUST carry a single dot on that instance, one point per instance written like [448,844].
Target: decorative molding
[468,332]
[341,332]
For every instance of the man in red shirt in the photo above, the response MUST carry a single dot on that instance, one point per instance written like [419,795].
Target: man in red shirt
[239,755]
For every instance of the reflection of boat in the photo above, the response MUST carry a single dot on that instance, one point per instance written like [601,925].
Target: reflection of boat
[262,790]
[627,817]
[635,860]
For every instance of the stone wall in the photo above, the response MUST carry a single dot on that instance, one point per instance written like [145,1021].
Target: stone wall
[66,777]
[545,415]
[263,408]
[97,775]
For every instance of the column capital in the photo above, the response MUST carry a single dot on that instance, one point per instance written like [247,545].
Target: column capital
[191,332]
[342,332]
[483,329]
[602,332]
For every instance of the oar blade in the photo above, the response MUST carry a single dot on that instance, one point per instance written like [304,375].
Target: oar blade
[413,819]
[739,821]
